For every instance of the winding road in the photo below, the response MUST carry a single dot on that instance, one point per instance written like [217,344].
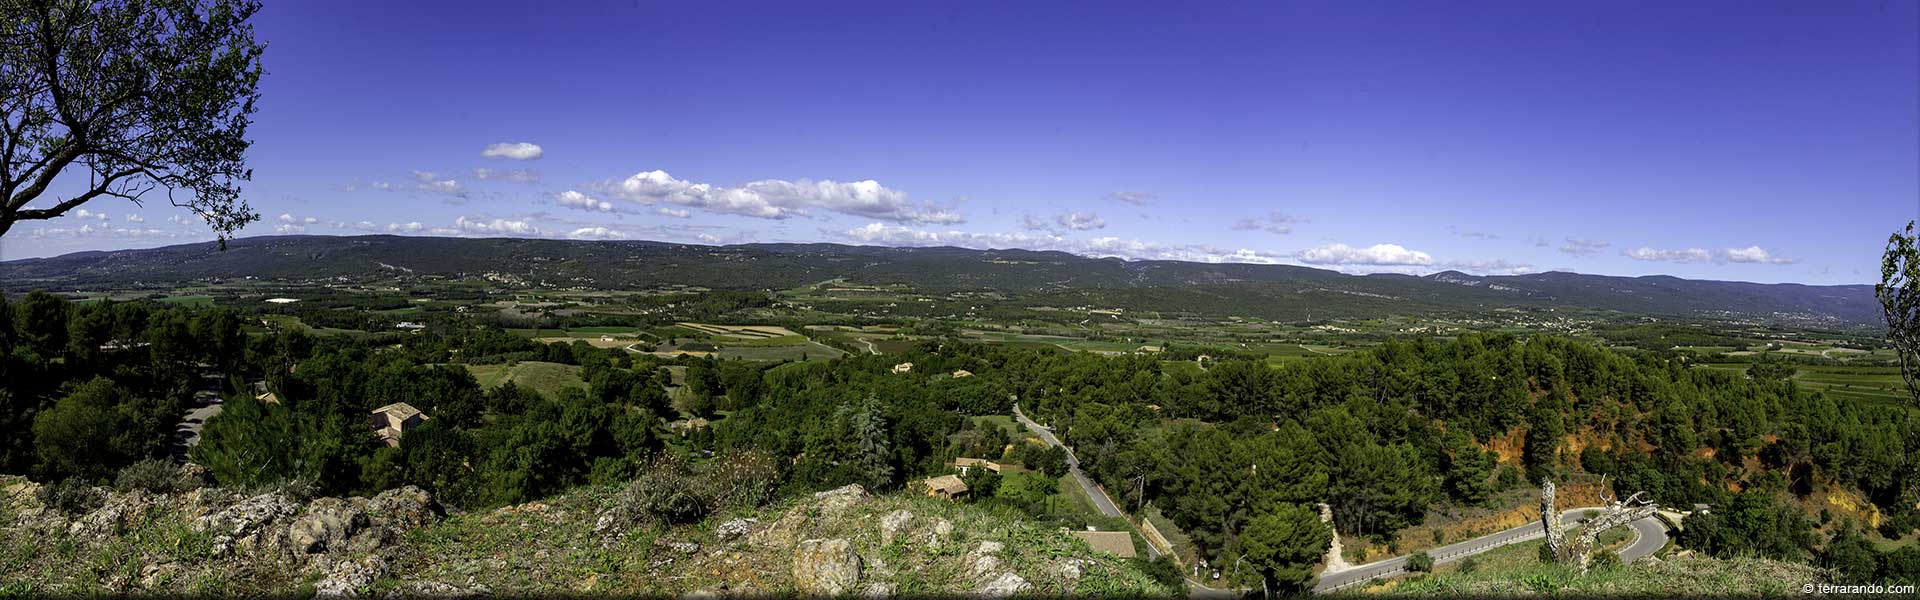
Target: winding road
[1649,535]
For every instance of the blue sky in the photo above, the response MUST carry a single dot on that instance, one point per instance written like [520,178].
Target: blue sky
[1760,141]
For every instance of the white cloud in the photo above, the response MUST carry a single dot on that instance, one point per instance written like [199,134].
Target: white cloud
[1275,222]
[901,235]
[136,219]
[1080,221]
[367,226]
[431,182]
[596,233]
[87,214]
[514,151]
[381,185]
[1749,254]
[290,228]
[1468,233]
[1032,223]
[405,227]
[1134,198]
[1754,254]
[779,199]
[495,226]
[677,213]
[100,231]
[1377,254]
[1490,267]
[1686,255]
[512,175]
[1583,247]
[573,199]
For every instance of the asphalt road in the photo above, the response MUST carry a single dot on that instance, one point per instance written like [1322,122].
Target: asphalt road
[1649,537]
[1099,496]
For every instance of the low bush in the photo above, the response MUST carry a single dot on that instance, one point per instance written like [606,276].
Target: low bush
[1420,562]
[155,475]
[71,496]
[673,490]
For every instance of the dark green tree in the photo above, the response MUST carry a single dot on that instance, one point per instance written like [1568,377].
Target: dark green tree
[89,434]
[1284,544]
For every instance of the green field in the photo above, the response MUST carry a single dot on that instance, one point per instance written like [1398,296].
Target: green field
[1879,385]
[544,377]
[807,350]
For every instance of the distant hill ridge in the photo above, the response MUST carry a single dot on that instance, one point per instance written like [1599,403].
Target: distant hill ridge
[639,264]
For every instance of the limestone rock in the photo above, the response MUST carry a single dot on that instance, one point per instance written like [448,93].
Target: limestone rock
[1071,569]
[840,499]
[892,524]
[1007,584]
[242,523]
[345,579]
[680,547]
[404,508]
[735,529]
[435,589]
[327,525]
[825,567]
[939,533]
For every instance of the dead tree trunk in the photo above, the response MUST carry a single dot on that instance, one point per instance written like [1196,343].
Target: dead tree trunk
[1613,513]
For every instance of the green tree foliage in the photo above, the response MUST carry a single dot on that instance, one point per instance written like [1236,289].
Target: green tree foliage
[43,324]
[1468,468]
[1420,562]
[89,433]
[138,95]
[1899,293]
[1851,557]
[1284,544]
[1754,523]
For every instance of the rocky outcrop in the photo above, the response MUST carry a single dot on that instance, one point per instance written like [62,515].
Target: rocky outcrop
[892,525]
[1007,584]
[735,529]
[825,567]
[838,500]
[340,543]
[246,524]
[348,578]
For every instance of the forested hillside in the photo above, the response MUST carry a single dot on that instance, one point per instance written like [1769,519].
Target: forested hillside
[1229,450]
[1219,289]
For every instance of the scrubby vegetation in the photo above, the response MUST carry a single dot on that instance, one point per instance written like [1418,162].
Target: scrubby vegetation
[1234,453]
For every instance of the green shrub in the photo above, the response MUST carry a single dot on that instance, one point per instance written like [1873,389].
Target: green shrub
[665,493]
[1604,561]
[1162,570]
[1546,554]
[739,479]
[71,496]
[673,490]
[155,475]
[1469,565]
[1420,562]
